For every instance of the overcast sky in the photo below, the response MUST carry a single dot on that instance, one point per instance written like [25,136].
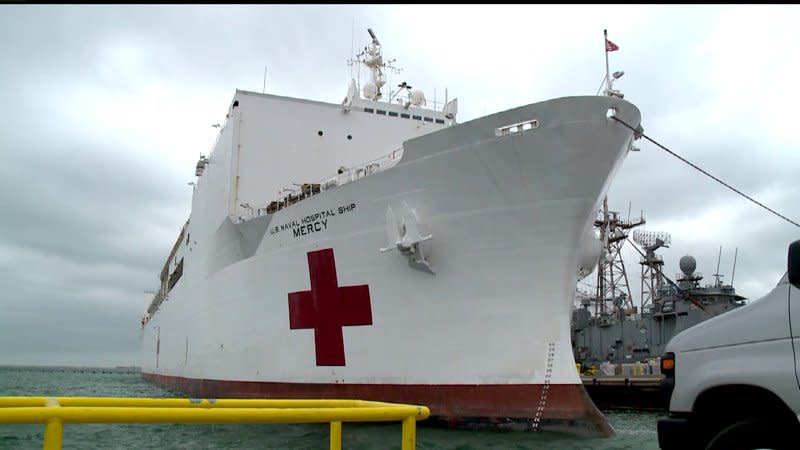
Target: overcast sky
[105,110]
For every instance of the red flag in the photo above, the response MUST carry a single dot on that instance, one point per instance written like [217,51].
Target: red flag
[610,46]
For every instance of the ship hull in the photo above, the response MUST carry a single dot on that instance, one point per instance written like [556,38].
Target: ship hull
[316,309]
[500,406]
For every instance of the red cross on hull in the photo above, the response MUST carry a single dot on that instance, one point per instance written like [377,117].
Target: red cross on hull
[327,307]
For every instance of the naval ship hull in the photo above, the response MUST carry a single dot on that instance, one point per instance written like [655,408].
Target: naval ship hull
[310,307]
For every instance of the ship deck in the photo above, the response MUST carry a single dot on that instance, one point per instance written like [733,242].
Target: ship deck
[620,392]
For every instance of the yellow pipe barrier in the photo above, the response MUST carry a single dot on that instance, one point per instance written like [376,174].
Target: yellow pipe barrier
[53,428]
[188,402]
[55,412]
[336,435]
[409,433]
[53,434]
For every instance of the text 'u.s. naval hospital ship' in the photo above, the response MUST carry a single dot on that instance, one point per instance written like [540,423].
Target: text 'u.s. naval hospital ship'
[380,250]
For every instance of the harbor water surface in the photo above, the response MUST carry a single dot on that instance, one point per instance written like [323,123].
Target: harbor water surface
[635,430]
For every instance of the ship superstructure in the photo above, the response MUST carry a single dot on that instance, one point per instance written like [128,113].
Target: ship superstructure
[380,250]
[611,329]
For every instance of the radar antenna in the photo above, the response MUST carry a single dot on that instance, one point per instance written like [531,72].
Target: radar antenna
[652,278]
[372,57]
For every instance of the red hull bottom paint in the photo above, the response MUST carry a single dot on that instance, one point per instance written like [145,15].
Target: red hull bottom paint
[566,407]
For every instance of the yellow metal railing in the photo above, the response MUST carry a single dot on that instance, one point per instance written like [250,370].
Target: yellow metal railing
[54,412]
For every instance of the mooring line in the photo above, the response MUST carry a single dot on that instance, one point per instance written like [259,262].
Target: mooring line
[706,173]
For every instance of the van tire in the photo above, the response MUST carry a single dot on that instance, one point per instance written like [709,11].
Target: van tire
[749,434]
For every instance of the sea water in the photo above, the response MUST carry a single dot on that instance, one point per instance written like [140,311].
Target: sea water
[635,430]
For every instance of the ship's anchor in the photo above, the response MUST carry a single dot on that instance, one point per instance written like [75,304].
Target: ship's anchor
[406,237]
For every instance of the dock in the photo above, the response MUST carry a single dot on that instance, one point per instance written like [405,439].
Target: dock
[620,392]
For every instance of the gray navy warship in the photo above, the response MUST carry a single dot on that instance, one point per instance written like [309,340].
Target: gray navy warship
[606,327]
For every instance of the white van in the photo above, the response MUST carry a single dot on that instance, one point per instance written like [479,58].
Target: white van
[733,379]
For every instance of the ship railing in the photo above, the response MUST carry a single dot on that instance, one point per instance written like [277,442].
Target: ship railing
[55,412]
[158,299]
[345,175]
[651,259]
[683,276]
[434,106]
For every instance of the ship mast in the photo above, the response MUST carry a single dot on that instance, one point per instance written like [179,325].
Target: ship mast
[717,275]
[613,291]
[652,274]
[372,57]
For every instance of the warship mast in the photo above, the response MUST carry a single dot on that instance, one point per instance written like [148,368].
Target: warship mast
[613,293]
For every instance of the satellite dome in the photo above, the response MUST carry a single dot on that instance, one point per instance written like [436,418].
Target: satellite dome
[687,265]
[370,91]
[417,97]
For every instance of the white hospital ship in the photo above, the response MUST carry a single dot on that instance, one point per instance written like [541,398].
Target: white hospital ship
[378,249]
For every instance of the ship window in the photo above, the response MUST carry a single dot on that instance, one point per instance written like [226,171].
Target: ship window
[439,121]
[369,110]
[392,114]
[187,238]
[428,119]
[380,111]
[319,133]
[405,116]
[416,117]
[349,137]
